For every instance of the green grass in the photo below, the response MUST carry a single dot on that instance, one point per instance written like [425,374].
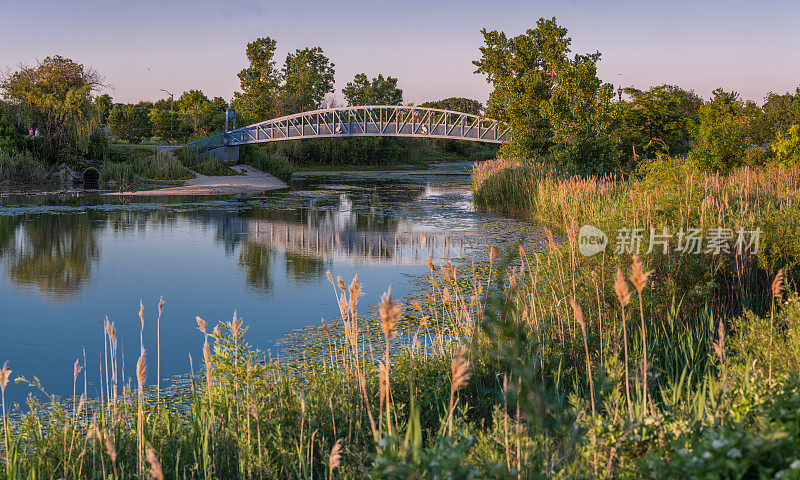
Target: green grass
[264,161]
[147,163]
[203,165]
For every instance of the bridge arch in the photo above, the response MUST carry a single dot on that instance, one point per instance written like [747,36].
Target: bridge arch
[363,121]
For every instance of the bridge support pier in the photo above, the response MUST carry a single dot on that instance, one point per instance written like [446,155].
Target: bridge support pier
[223,154]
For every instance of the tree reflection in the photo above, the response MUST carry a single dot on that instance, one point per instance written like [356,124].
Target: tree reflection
[54,253]
[255,260]
[304,268]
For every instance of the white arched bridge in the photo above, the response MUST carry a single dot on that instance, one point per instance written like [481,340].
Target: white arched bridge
[362,121]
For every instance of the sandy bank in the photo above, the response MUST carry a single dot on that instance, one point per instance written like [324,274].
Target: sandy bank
[253,182]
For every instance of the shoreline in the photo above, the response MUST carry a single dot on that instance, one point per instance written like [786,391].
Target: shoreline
[251,182]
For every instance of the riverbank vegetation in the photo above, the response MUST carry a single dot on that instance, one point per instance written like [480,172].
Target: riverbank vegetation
[666,294]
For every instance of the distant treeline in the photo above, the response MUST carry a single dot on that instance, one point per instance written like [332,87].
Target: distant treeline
[556,105]
[559,109]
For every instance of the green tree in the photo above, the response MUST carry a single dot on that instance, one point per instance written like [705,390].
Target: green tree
[195,105]
[131,121]
[522,71]
[660,119]
[103,103]
[55,97]
[787,146]
[378,91]
[780,112]
[214,120]
[308,77]
[9,137]
[722,140]
[456,104]
[260,82]
[165,123]
[581,118]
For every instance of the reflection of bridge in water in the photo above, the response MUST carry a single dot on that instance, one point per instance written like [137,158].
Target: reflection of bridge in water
[397,247]
[393,245]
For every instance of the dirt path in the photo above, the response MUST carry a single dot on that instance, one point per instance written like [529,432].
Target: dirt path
[253,182]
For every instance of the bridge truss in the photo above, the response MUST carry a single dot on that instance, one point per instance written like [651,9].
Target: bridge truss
[364,121]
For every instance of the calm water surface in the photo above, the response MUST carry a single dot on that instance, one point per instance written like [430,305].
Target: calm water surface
[67,263]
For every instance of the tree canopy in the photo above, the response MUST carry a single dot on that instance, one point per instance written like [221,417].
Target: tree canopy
[259,82]
[378,91]
[456,104]
[55,97]
[522,70]
[308,77]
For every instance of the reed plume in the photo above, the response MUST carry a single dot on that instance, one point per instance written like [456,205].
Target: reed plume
[460,375]
[355,291]
[155,465]
[5,374]
[158,349]
[431,266]
[578,313]
[639,280]
[777,290]
[719,343]
[141,371]
[111,451]
[201,324]
[624,297]
[335,458]
[389,312]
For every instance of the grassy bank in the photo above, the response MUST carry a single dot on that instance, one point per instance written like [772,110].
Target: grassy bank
[24,170]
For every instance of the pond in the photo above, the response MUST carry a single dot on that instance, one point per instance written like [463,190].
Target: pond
[67,263]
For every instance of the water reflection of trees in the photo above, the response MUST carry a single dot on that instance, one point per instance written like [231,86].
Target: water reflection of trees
[255,260]
[304,268]
[54,253]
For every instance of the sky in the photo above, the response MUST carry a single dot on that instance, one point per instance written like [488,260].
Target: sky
[141,47]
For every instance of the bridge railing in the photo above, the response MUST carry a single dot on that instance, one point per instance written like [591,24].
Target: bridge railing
[208,143]
[364,120]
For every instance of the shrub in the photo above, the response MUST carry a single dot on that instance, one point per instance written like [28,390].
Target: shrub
[787,146]
[24,169]
[161,167]
[9,137]
[98,146]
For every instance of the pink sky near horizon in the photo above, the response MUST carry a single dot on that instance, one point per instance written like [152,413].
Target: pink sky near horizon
[178,45]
